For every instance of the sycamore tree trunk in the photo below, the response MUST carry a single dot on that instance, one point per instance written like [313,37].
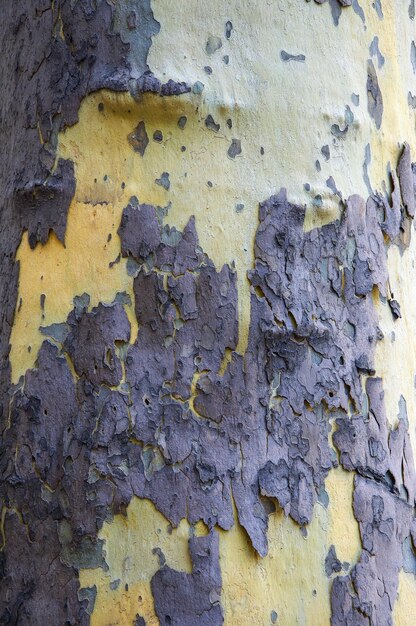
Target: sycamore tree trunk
[208,312]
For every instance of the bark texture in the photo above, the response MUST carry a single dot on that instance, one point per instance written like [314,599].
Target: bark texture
[178,413]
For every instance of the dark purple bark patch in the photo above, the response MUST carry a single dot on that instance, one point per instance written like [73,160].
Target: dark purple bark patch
[42,206]
[383,507]
[37,587]
[191,599]
[91,343]
[138,138]
[316,360]
[367,595]
[54,53]
[139,231]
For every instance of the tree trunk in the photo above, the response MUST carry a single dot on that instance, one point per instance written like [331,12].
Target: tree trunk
[207,391]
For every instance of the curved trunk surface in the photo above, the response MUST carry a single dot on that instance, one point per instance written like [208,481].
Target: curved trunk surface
[207,340]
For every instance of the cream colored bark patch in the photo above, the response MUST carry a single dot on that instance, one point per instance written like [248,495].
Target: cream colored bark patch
[395,355]
[288,77]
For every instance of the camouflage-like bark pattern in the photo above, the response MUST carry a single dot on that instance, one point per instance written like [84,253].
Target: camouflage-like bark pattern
[101,418]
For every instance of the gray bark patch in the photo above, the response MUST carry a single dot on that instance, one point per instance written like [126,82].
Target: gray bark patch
[374,96]
[285,56]
[413,56]
[358,10]
[213,44]
[376,4]
[375,52]
[332,563]
[234,149]
[211,124]
[163,181]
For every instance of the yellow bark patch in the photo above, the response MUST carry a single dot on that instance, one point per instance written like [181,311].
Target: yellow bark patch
[124,590]
[62,272]
[405,608]
[204,181]
[343,530]
[290,580]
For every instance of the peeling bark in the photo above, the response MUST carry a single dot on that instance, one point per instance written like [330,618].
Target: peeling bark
[177,415]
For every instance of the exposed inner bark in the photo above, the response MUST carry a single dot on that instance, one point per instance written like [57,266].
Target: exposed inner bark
[178,416]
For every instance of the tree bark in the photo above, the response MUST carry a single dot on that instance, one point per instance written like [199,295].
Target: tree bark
[207,391]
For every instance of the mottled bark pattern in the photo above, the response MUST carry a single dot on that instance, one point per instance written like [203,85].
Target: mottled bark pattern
[178,416]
